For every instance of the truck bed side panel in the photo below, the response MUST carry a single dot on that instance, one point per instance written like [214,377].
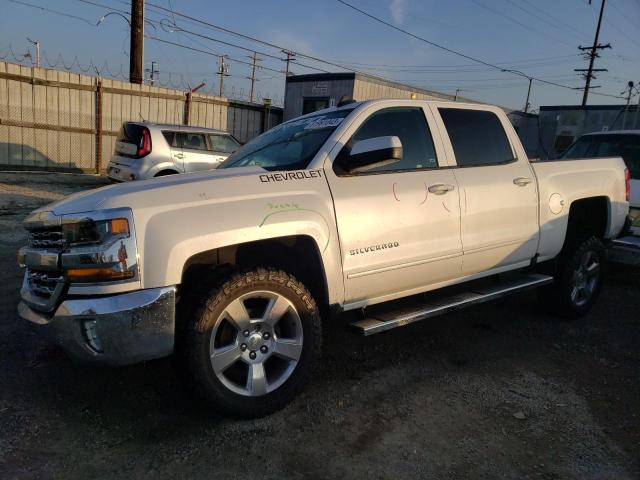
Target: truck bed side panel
[563,182]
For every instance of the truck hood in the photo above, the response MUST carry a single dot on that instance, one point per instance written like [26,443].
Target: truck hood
[162,190]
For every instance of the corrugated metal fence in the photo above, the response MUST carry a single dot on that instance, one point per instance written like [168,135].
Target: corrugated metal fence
[57,120]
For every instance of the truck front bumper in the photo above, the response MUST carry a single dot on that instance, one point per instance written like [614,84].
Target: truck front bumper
[112,330]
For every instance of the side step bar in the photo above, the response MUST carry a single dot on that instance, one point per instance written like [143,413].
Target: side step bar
[399,316]
[626,250]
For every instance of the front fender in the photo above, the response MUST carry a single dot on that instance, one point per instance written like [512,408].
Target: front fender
[169,238]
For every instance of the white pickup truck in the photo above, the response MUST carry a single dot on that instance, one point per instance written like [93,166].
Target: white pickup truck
[349,208]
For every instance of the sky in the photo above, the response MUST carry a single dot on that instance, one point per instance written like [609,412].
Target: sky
[539,38]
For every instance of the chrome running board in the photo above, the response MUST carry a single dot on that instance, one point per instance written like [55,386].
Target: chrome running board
[385,317]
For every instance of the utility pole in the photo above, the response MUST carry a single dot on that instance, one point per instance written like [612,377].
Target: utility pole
[629,92]
[290,58]
[136,50]
[635,117]
[526,102]
[223,71]
[592,57]
[152,71]
[37,45]
[254,59]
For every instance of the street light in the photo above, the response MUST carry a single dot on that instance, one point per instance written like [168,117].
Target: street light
[522,74]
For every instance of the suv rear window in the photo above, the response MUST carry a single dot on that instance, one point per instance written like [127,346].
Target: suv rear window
[608,145]
[130,133]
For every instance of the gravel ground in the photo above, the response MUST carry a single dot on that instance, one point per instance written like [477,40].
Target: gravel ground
[501,390]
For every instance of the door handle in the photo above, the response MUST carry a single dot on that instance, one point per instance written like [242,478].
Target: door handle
[522,181]
[440,188]
[179,155]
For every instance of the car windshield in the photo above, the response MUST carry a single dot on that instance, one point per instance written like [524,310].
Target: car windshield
[289,146]
[608,145]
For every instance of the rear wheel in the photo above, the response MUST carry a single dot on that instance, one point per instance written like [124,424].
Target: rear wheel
[252,342]
[579,277]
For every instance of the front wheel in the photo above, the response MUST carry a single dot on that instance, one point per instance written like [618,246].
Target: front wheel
[579,278]
[252,342]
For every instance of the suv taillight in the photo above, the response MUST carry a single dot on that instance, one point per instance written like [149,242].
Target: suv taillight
[627,183]
[144,147]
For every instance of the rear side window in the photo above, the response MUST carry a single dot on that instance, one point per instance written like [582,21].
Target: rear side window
[410,126]
[223,143]
[193,141]
[477,137]
[171,138]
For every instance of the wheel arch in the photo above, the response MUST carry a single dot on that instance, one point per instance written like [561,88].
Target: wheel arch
[589,216]
[298,255]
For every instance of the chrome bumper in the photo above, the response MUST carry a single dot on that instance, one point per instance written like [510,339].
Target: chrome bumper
[115,330]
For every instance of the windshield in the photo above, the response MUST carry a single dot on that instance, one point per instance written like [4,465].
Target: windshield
[289,146]
[603,145]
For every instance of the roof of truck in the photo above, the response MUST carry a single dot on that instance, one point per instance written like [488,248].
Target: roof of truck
[354,104]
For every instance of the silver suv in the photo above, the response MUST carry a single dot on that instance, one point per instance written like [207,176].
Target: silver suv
[145,150]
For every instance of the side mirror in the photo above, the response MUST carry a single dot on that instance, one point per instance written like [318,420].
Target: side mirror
[373,152]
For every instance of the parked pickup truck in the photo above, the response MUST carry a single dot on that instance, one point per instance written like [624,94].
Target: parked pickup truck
[363,207]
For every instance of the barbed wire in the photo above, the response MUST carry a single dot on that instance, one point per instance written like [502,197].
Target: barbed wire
[164,79]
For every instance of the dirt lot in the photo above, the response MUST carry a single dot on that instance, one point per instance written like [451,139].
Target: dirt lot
[498,391]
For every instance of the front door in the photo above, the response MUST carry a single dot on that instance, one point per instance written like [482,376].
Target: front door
[498,194]
[399,224]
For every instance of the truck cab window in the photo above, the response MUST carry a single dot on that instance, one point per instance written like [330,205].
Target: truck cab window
[410,126]
[477,137]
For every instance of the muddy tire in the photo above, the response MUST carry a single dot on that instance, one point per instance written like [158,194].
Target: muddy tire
[251,343]
[578,279]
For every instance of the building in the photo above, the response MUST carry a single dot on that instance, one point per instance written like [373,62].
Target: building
[308,93]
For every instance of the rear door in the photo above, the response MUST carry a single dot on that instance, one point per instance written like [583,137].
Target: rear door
[498,192]
[196,151]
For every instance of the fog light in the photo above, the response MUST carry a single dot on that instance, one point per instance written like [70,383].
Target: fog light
[90,331]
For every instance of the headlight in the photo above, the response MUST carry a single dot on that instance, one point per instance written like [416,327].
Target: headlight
[87,232]
[99,247]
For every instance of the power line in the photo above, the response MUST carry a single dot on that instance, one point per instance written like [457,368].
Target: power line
[578,33]
[63,14]
[514,20]
[207,52]
[190,32]
[317,59]
[454,52]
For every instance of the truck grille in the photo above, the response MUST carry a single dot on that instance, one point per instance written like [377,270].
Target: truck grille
[45,285]
[49,239]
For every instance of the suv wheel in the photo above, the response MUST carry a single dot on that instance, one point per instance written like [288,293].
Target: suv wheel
[252,342]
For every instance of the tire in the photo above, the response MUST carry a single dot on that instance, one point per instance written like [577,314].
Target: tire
[252,342]
[578,280]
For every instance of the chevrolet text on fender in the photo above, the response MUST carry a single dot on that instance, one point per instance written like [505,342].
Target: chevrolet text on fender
[237,276]
[281,177]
